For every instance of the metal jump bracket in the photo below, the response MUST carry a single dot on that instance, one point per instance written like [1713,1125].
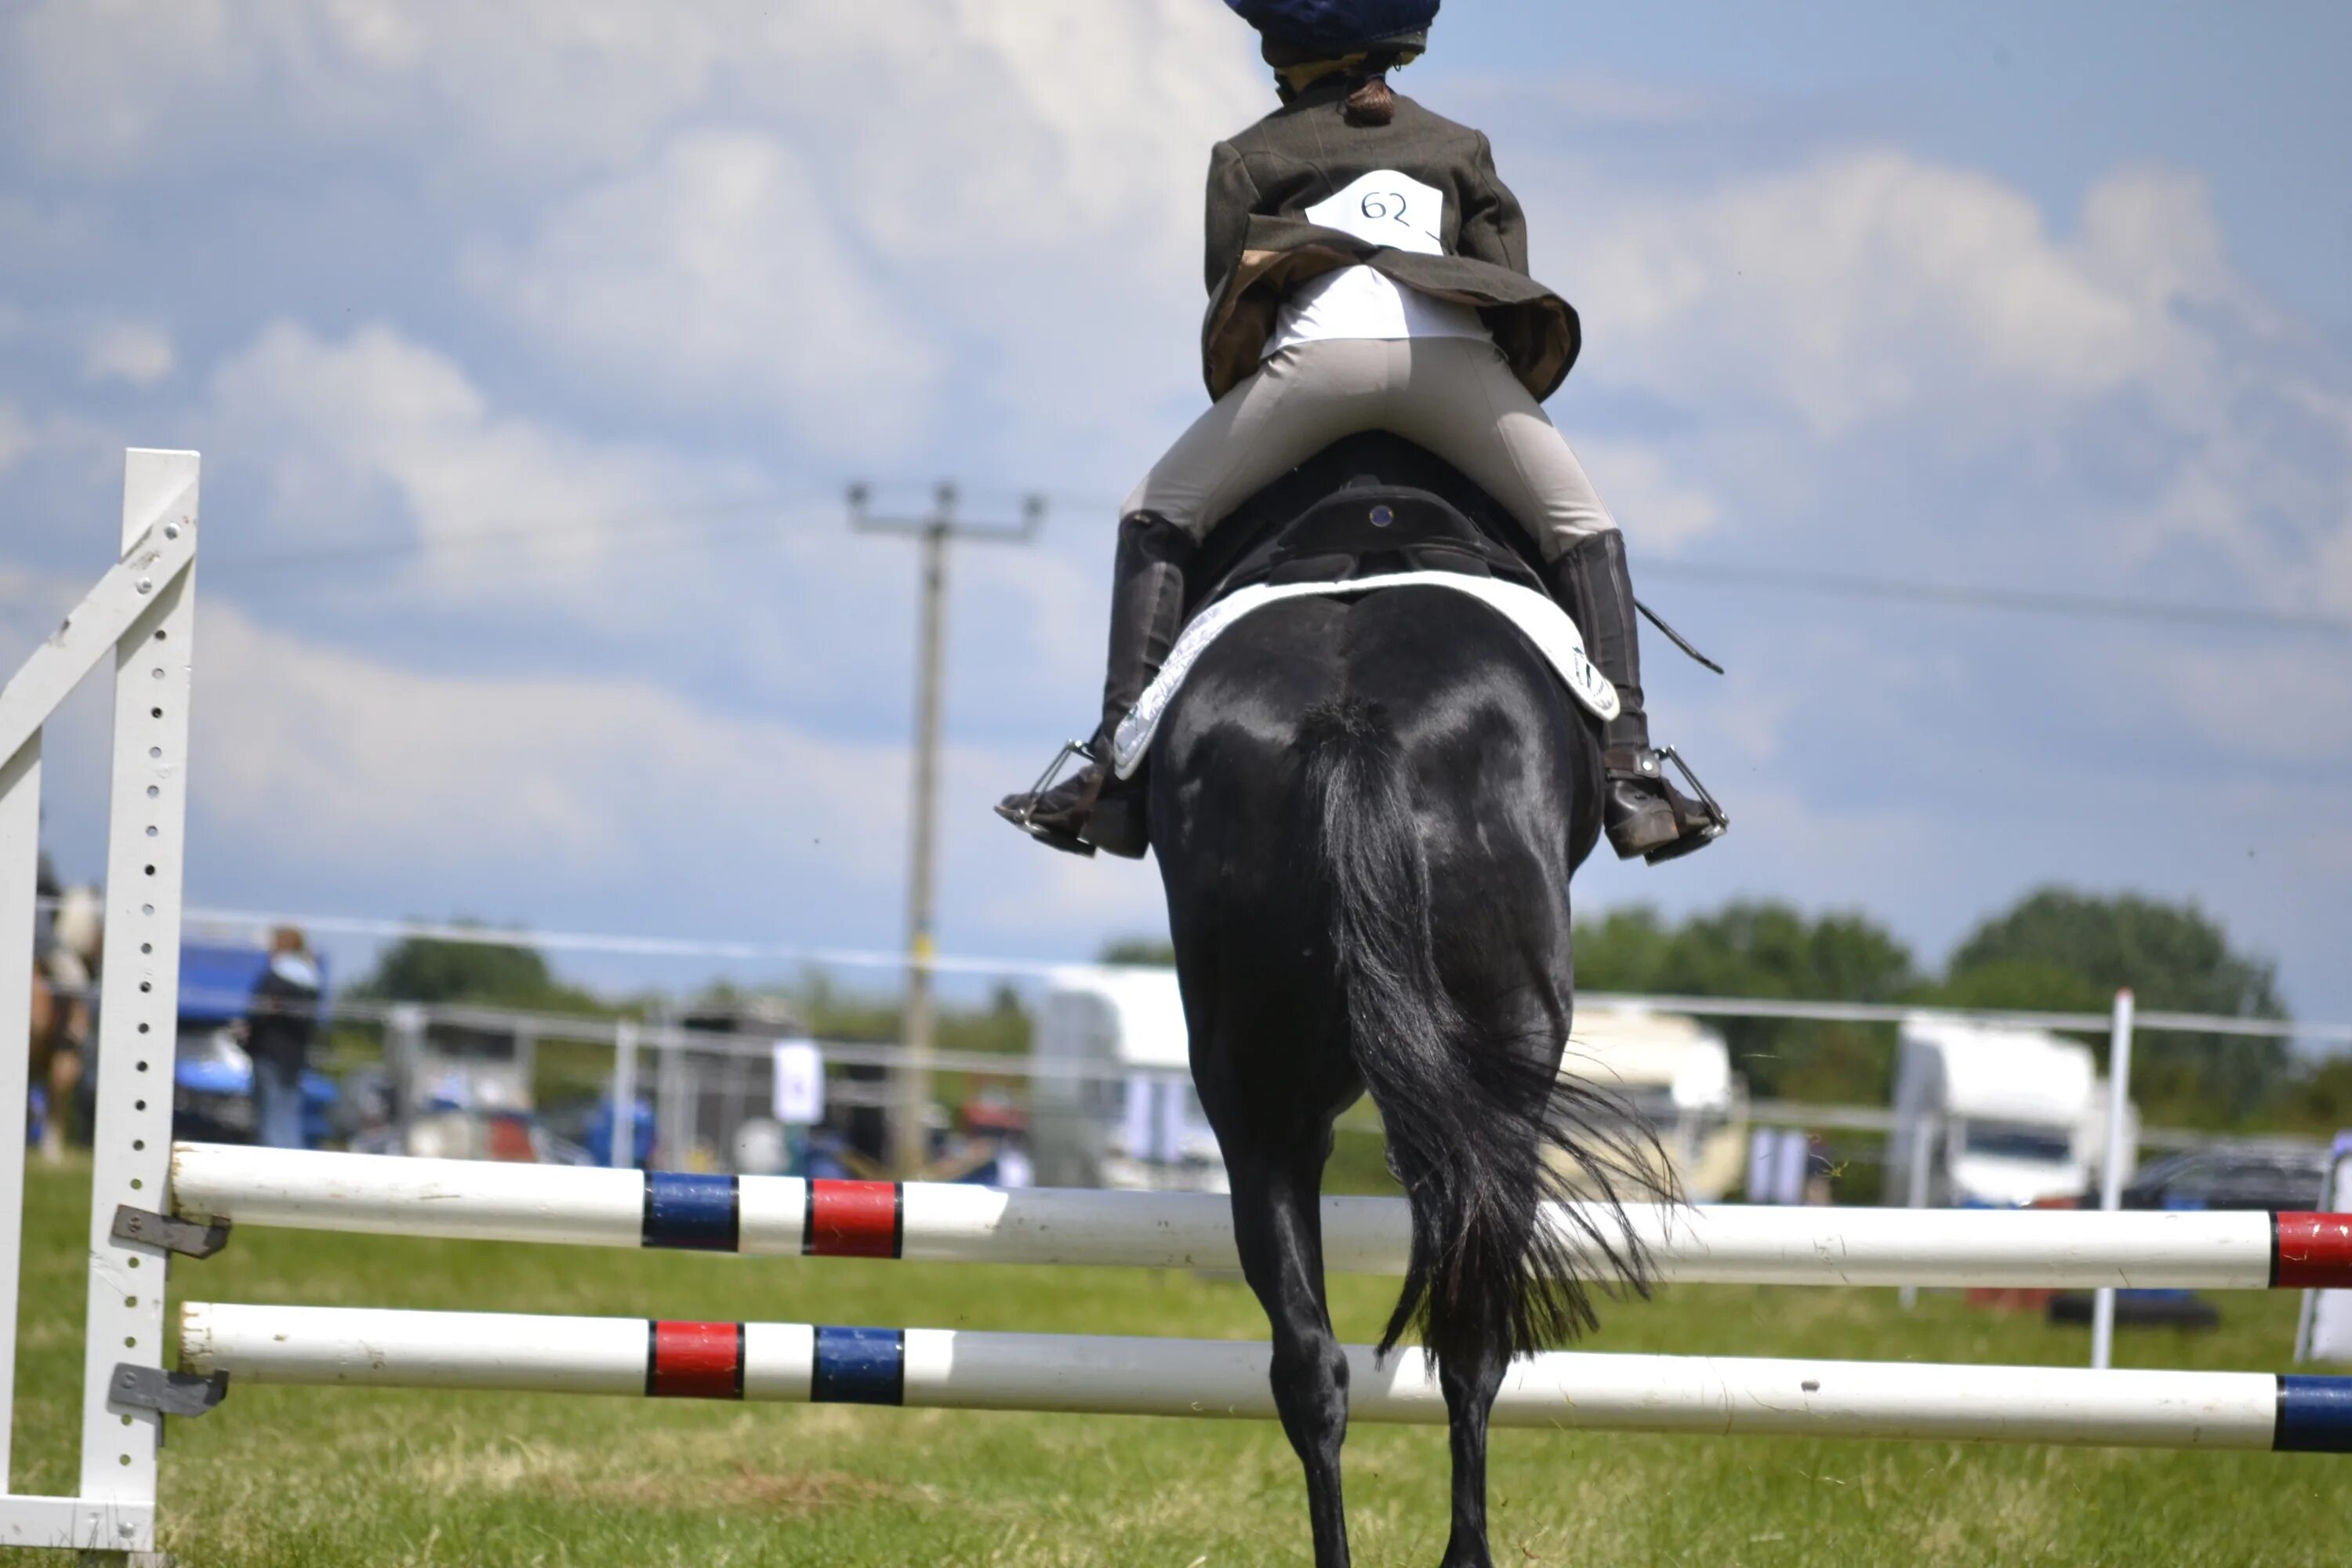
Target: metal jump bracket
[167,1392]
[189,1237]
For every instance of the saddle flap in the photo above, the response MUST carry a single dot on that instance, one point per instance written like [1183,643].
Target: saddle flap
[1377,514]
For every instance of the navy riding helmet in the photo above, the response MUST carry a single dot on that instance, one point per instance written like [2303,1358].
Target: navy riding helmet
[1325,29]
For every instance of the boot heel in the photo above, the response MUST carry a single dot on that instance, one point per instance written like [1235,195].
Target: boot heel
[1116,826]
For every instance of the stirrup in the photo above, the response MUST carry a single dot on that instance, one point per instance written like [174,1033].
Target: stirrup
[1024,815]
[1710,828]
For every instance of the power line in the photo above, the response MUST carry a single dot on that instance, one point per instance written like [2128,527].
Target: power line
[653,526]
[2026,600]
[642,527]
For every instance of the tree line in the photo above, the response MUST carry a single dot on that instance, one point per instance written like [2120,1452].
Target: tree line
[2056,950]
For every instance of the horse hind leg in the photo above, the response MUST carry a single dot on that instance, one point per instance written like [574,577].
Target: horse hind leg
[1278,1231]
[1477,1317]
[1469,1383]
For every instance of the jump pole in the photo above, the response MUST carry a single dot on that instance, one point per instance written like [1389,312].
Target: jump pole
[950,1369]
[788,1217]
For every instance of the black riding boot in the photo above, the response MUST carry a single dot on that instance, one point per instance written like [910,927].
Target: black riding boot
[1093,809]
[1644,814]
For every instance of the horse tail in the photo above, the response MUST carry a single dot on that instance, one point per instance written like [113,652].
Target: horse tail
[1482,1132]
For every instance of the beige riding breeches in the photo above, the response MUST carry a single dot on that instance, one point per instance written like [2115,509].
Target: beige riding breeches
[1456,396]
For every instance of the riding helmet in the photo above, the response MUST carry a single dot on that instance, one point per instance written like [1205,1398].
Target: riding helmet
[1297,31]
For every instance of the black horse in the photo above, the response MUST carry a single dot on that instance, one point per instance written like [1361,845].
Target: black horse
[1366,812]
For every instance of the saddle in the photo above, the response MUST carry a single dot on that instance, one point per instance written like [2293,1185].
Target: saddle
[1376,511]
[1365,506]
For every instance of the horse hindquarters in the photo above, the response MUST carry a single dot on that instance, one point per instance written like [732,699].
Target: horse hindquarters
[1358,902]
[1468,1115]
[1479,1125]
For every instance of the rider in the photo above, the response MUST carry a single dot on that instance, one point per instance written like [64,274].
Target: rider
[1368,270]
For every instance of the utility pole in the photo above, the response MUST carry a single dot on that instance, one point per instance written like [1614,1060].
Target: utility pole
[909,1147]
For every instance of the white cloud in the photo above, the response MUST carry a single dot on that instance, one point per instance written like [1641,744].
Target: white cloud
[109,87]
[312,753]
[341,424]
[1866,285]
[1051,123]
[941,89]
[395,484]
[2276,705]
[981,211]
[476,785]
[139,353]
[853,218]
[1872,350]
[1659,510]
[720,272]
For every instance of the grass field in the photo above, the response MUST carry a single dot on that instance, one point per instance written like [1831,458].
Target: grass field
[321,1476]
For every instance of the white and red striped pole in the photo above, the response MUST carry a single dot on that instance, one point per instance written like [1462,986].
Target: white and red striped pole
[786,1216]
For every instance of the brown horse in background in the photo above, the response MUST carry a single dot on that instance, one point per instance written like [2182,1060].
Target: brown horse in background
[64,992]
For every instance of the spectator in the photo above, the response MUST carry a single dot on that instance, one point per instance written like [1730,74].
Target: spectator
[276,1032]
[46,890]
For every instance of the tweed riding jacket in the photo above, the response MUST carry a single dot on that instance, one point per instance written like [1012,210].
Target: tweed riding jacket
[1261,246]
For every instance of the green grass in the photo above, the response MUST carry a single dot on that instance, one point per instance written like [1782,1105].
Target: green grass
[313,1475]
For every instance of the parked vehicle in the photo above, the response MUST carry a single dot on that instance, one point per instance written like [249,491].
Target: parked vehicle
[1675,1073]
[1113,1105]
[2248,1176]
[2013,1115]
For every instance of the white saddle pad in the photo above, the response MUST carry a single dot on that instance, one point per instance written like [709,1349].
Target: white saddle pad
[1538,617]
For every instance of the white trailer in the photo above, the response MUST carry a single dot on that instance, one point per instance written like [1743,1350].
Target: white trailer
[1994,1114]
[1677,1074]
[1113,1104]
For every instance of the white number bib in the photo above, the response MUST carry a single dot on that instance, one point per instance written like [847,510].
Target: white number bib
[1386,207]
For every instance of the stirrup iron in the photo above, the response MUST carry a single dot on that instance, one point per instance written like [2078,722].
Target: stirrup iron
[1025,819]
[1718,820]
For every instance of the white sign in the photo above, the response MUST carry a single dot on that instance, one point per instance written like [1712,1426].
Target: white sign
[1777,1161]
[1387,208]
[800,1083]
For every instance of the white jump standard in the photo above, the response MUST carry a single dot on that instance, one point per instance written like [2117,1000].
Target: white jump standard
[786,1216]
[951,1369]
[142,614]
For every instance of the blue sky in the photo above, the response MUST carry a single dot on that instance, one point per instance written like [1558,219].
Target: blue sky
[530,348]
